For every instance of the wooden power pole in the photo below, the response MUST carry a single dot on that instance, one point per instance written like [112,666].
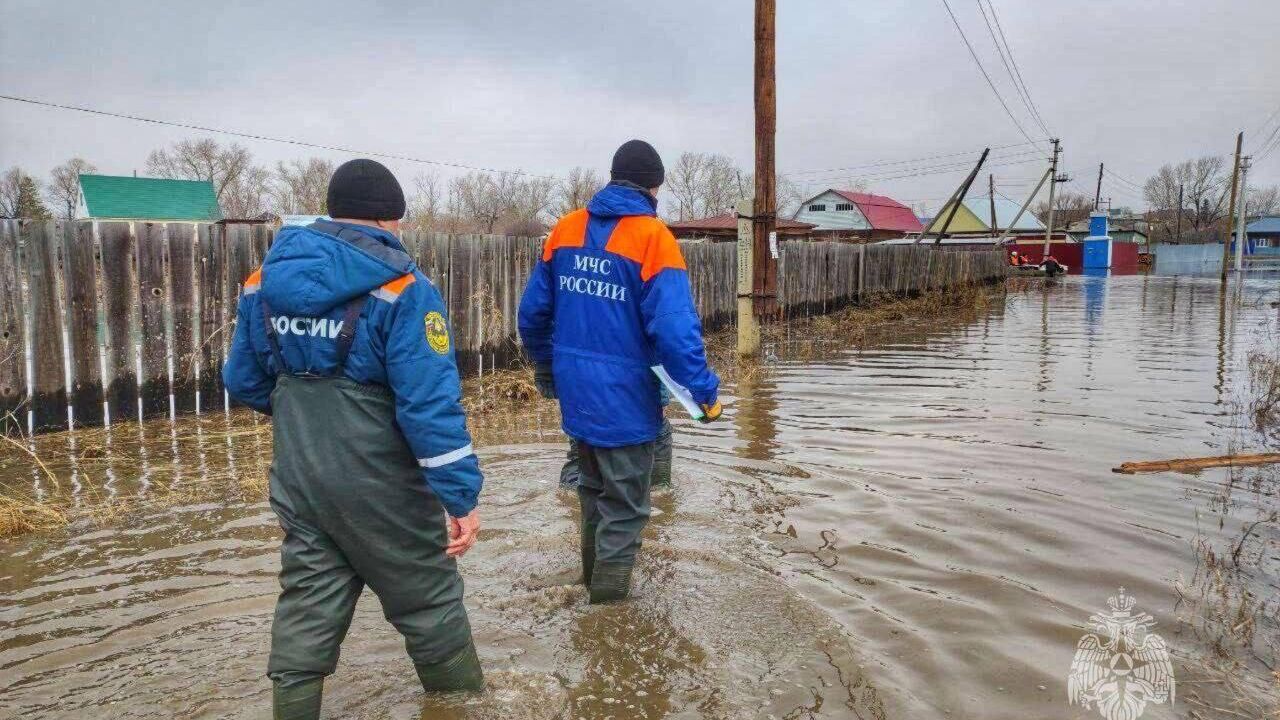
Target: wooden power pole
[757,264]
[1231,211]
[991,192]
[765,270]
[1097,195]
[1178,237]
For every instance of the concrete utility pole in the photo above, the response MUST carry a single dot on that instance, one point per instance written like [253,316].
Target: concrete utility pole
[1178,237]
[1243,216]
[1231,209]
[1053,184]
[764,264]
[1097,195]
[991,192]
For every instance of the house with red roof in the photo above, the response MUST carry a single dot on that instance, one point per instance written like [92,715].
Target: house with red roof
[865,216]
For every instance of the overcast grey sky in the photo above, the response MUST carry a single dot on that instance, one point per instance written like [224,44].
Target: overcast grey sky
[544,86]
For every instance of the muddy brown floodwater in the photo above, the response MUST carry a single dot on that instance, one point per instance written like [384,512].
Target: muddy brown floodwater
[914,528]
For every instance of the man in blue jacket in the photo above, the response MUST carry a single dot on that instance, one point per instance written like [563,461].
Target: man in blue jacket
[609,301]
[344,342]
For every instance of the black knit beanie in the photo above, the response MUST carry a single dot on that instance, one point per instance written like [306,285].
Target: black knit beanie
[365,190]
[636,161]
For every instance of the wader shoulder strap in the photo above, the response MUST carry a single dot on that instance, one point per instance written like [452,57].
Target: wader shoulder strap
[272,341]
[350,318]
[348,332]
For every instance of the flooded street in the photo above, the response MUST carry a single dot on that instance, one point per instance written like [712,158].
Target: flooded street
[913,528]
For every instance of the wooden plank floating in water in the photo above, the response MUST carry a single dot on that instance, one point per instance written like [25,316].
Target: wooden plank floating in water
[1200,463]
[13,354]
[154,344]
[82,323]
[44,311]
[119,288]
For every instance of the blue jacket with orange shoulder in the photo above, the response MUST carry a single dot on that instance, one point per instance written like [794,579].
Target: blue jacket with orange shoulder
[609,299]
[401,340]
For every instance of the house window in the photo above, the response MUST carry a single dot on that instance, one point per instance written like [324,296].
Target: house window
[844,206]
[817,208]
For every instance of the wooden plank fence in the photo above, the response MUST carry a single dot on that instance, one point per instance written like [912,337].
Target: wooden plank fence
[118,321]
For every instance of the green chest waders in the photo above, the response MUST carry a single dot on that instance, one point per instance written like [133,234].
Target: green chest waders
[356,511]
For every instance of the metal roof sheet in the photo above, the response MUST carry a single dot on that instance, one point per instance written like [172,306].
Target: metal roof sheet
[883,213]
[112,196]
[1269,224]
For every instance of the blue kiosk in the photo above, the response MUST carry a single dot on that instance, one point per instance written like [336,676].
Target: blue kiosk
[1097,247]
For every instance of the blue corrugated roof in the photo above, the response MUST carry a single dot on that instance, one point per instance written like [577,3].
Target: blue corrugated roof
[1266,225]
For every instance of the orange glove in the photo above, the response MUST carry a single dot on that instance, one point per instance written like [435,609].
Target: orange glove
[711,413]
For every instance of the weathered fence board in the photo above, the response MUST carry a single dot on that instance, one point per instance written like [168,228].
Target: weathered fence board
[44,317]
[182,291]
[13,332]
[119,283]
[81,286]
[153,350]
[214,321]
[163,300]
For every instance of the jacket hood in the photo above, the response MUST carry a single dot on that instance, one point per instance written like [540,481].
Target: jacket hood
[622,199]
[311,270]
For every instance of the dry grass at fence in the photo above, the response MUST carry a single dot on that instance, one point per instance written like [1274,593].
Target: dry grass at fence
[501,404]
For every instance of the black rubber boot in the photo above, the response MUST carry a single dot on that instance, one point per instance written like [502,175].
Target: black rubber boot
[297,702]
[587,534]
[460,672]
[610,582]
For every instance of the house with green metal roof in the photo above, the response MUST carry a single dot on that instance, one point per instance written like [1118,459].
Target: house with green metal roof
[111,197]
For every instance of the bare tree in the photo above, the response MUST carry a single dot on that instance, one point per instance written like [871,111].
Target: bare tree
[480,199]
[1068,207]
[1204,183]
[64,185]
[249,195]
[789,196]
[201,160]
[1263,201]
[10,191]
[425,209]
[301,186]
[576,190]
[706,184]
[524,213]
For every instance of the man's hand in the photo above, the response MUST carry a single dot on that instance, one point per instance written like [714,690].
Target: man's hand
[463,533]
[711,413]
[545,381]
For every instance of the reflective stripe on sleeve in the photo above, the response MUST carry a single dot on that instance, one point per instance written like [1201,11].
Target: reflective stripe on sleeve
[445,459]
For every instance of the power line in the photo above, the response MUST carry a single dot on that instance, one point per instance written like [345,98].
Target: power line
[1267,145]
[990,84]
[935,171]
[1017,70]
[268,138]
[947,165]
[882,163]
[1022,95]
[1258,130]
[1108,171]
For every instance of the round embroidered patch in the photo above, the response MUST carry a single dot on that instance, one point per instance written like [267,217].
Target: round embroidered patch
[437,332]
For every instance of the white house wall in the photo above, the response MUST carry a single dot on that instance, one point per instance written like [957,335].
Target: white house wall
[830,218]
